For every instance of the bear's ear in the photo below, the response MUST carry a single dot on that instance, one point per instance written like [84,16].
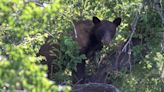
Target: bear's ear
[117,21]
[95,20]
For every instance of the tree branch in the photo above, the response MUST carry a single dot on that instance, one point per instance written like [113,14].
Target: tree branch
[133,28]
[159,8]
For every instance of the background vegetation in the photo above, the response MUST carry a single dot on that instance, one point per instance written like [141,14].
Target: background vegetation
[24,25]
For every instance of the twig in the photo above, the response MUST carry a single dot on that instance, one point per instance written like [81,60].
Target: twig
[133,27]
[159,8]
[129,59]
[48,33]
[37,2]
[74,28]
[77,82]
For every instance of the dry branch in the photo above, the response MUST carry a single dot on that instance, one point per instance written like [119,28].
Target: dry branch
[159,8]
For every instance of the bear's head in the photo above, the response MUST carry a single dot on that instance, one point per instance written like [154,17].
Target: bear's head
[104,30]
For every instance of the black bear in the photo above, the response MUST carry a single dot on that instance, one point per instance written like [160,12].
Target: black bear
[90,37]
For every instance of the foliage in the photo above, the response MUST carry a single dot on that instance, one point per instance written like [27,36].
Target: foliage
[68,56]
[24,25]
[146,74]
